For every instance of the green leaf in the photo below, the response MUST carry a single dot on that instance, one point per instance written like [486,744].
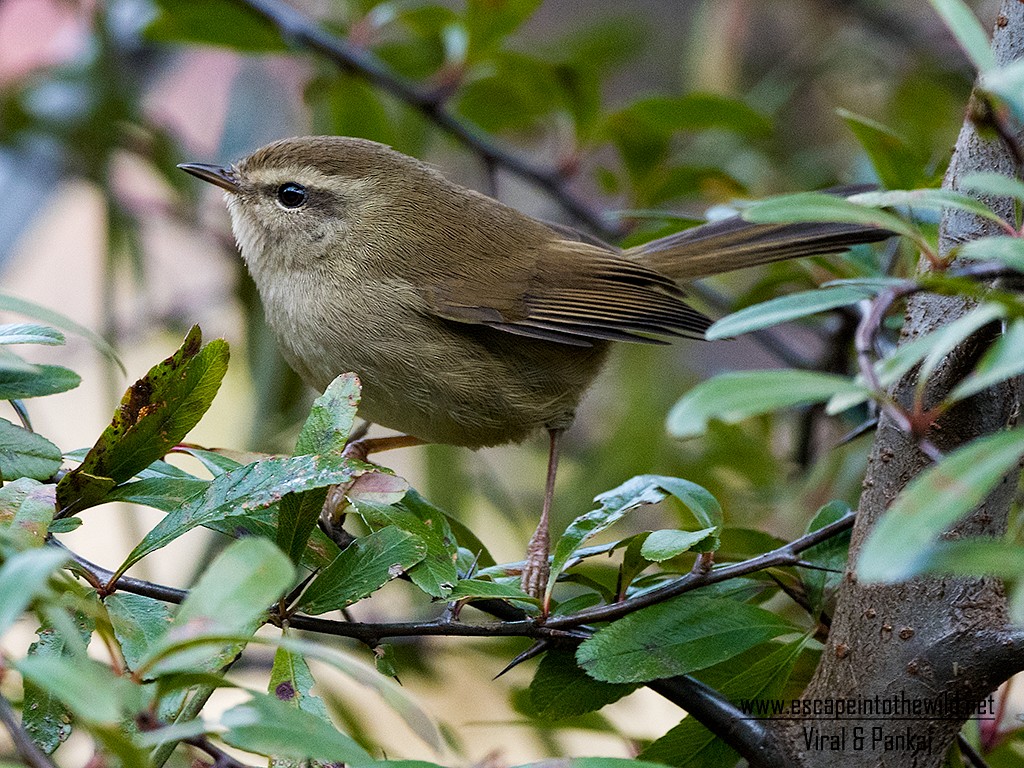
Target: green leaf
[139,623]
[231,598]
[897,164]
[326,431]
[594,762]
[732,397]
[155,415]
[700,111]
[818,206]
[668,543]
[928,199]
[93,693]
[1008,84]
[784,309]
[561,689]
[490,21]
[1007,250]
[44,716]
[163,493]
[675,638]
[691,745]
[993,184]
[23,576]
[967,30]
[238,492]
[363,567]
[29,333]
[931,348]
[1002,361]
[267,725]
[19,382]
[829,555]
[26,454]
[435,574]
[899,545]
[471,589]
[214,22]
[26,511]
[27,308]
[292,682]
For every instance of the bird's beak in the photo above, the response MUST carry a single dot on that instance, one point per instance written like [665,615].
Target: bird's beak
[221,175]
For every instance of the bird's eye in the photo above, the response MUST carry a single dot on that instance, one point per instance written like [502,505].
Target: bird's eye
[291,195]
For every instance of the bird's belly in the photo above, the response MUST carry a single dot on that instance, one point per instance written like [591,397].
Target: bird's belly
[442,381]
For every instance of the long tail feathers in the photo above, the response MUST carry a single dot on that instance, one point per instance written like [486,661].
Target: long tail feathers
[722,246]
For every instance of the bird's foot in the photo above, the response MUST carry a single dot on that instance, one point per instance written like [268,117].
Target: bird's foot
[537,568]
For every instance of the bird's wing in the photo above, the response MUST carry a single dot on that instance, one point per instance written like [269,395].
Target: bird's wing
[573,293]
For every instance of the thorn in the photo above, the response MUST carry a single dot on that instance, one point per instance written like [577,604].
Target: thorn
[533,651]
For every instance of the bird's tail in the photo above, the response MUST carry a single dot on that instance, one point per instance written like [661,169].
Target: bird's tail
[733,243]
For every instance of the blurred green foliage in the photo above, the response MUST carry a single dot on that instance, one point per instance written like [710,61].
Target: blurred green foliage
[646,120]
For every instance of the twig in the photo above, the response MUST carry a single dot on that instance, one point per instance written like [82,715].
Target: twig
[26,748]
[299,29]
[221,759]
[967,750]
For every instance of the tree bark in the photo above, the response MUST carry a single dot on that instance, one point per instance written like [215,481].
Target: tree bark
[937,640]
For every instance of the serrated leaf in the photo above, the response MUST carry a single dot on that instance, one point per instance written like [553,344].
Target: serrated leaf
[26,511]
[26,454]
[469,589]
[231,598]
[668,543]
[676,638]
[561,689]
[30,333]
[967,30]
[363,567]
[267,726]
[139,623]
[23,576]
[163,493]
[238,492]
[691,745]
[44,716]
[91,690]
[435,574]
[899,545]
[818,206]
[733,397]
[20,382]
[785,309]
[292,682]
[155,415]
[326,430]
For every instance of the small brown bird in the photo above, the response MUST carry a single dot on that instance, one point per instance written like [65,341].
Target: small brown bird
[468,322]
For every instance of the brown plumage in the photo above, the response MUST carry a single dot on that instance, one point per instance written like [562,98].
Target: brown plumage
[468,322]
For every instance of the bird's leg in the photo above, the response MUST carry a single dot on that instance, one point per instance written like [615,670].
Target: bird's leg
[336,502]
[537,568]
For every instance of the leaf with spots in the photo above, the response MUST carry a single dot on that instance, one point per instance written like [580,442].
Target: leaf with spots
[435,574]
[26,511]
[239,491]
[292,682]
[155,414]
[367,564]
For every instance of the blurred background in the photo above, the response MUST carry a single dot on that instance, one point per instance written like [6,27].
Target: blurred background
[653,111]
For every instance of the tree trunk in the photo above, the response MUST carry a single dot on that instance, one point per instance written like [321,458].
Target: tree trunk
[935,640]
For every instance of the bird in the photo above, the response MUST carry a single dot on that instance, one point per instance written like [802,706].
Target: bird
[467,321]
